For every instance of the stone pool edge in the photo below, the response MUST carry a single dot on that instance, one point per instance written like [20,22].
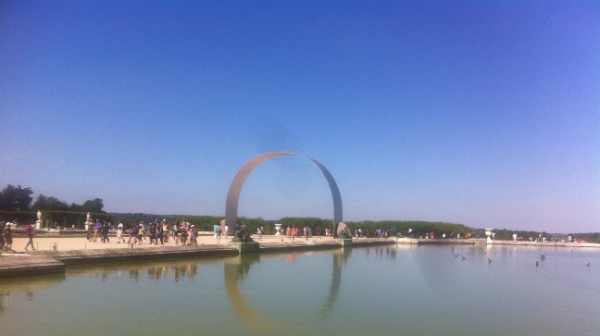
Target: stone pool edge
[52,262]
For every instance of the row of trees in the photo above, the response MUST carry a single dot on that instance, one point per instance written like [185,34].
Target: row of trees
[419,228]
[505,234]
[207,223]
[15,198]
[19,199]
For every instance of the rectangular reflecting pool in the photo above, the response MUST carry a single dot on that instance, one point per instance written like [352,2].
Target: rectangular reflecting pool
[411,290]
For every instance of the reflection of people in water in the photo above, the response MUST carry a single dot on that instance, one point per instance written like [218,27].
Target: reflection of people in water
[192,270]
[3,295]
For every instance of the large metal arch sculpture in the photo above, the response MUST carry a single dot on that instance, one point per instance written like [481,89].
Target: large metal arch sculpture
[233,196]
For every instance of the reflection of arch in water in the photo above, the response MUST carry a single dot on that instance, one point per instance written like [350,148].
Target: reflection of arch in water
[339,259]
[237,270]
[235,189]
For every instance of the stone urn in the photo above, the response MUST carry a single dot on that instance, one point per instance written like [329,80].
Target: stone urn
[489,233]
[277,229]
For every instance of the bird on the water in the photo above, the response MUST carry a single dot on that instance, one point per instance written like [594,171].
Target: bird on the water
[489,260]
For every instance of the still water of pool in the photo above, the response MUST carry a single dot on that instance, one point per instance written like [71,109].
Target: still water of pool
[425,290]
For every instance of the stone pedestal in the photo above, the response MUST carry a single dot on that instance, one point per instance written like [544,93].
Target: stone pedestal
[489,233]
[247,247]
[277,229]
[344,242]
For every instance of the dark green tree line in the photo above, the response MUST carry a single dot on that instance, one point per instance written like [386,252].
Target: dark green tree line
[15,198]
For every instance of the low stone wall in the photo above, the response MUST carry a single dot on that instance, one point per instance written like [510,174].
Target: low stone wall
[435,241]
[542,244]
[12,265]
[44,262]
[78,257]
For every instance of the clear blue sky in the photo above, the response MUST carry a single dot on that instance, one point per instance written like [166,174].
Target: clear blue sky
[481,113]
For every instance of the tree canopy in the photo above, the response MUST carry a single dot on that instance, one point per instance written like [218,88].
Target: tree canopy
[49,204]
[15,198]
[19,199]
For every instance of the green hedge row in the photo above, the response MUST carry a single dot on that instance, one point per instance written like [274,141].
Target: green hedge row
[207,223]
[62,218]
[420,228]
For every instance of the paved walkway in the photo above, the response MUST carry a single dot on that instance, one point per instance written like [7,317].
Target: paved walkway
[44,243]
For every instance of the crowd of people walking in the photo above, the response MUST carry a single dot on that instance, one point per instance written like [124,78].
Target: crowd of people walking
[179,232]
[297,232]
[6,235]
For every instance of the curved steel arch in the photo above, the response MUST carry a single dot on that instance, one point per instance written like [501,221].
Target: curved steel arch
[235,189]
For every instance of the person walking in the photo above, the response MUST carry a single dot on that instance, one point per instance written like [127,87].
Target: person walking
[174,232]
[141,231]
[2,241]
[159,234]
[132,233]
[8,236]
[105,228]
[120,233]
[193,234]
[177,234]
[165,227]
[97,229]
[152,232]
[30,231]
